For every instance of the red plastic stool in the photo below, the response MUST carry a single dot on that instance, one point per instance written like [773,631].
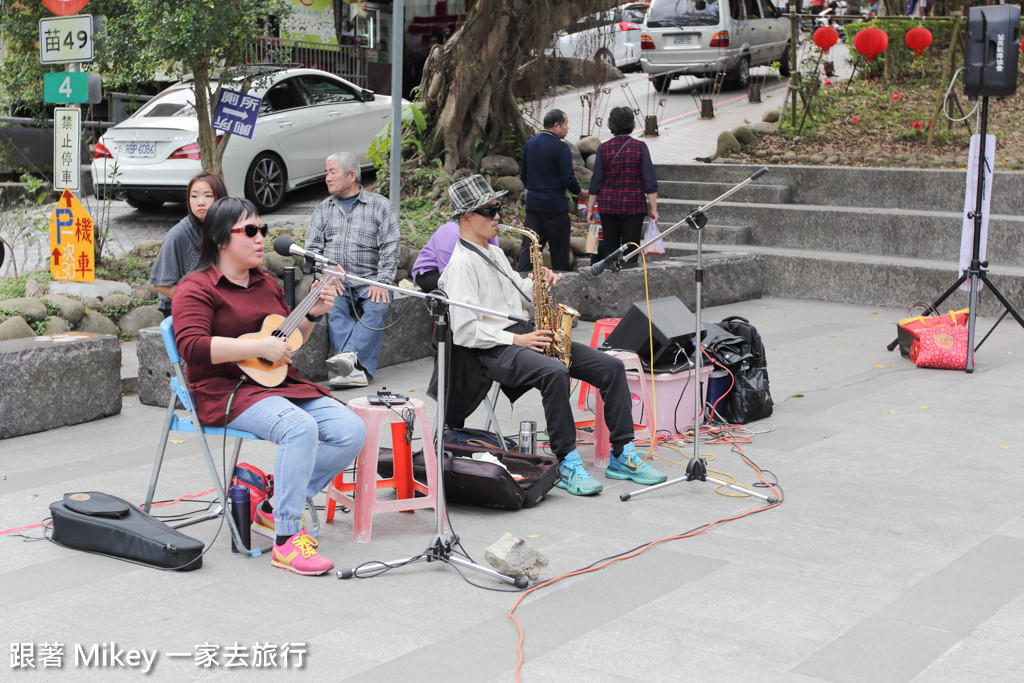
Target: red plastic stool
[602,328]
[364,504]
[601,443]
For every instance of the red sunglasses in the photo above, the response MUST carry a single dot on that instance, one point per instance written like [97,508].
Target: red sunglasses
[250,230]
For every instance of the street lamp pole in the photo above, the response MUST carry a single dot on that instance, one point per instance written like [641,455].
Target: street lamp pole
[397,43]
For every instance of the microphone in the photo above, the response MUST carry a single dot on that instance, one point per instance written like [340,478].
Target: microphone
[285,246]
[599,267]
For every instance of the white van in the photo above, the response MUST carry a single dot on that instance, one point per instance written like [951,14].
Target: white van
[702,37]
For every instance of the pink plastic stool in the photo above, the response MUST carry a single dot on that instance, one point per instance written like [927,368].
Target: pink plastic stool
[365,504]
[601,444]
[602,328]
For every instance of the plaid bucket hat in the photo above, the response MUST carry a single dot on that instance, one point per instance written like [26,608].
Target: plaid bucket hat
[471,193]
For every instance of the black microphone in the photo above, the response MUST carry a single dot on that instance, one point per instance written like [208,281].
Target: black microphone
[610,259]
[285,246]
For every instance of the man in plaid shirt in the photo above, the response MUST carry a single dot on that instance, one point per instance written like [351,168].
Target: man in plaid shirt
[359,230]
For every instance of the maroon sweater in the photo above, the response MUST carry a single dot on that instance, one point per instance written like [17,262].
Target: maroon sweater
[206,304]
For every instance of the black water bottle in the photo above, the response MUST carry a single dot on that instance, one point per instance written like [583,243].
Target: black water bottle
[242,514]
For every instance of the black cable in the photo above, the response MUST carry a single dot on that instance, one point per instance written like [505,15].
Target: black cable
[359,316]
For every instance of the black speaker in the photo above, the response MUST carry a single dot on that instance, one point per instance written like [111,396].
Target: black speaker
[672,325]
[990,51]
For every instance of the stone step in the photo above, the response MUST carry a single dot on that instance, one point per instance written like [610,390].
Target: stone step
[885,232]
[706,191]
[894,188]
[871,280]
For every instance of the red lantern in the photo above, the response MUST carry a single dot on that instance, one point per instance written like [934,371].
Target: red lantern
[870,42]
[918,39]
[825,37]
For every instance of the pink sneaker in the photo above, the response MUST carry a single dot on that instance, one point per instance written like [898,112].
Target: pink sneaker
[264,525]
[299,555]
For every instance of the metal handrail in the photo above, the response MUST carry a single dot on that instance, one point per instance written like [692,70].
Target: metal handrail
[347,61]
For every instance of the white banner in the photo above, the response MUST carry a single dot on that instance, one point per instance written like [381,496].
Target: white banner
[971,201]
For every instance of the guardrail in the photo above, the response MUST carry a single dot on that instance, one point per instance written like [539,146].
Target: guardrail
[347,61]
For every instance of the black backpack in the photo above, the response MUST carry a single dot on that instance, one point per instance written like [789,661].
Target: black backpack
[742,353]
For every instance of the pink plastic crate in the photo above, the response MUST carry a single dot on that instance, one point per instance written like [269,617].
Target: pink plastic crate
[673,395]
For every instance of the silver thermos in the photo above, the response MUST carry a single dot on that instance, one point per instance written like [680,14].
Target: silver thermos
[528,437]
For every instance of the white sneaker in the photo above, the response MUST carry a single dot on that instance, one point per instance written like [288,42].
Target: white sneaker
[356,378]
[342,363]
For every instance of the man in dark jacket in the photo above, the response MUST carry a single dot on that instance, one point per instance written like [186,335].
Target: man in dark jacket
[547,173]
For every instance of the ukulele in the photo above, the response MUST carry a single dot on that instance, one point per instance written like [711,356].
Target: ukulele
[269,373]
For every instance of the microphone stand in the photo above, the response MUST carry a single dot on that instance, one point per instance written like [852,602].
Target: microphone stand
[440,547]
[697,467]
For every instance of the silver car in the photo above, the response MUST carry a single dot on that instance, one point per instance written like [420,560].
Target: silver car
[705,37]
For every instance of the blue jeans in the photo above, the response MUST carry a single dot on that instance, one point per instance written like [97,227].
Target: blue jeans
[318,438]
[349,334]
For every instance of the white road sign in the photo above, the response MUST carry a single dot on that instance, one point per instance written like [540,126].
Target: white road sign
[64,40]
[67,148]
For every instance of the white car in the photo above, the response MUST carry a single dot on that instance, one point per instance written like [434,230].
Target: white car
[611,36]
[305,115]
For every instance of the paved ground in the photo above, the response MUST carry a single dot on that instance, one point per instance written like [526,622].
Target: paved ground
[896,555]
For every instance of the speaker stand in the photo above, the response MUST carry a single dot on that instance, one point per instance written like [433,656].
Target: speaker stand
[977,271]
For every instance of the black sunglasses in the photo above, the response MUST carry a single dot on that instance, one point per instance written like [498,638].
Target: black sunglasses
[488,211]
[250,230]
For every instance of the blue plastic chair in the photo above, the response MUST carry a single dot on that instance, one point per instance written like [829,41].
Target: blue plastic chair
[174,423]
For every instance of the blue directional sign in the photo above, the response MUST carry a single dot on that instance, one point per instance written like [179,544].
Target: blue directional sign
[236,113]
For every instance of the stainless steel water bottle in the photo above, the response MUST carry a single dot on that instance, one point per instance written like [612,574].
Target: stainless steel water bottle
[528,437]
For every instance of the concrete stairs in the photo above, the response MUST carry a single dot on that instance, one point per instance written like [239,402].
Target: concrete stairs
[883,237]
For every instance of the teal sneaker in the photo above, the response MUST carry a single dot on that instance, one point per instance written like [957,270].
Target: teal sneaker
[630,465]
[575,479]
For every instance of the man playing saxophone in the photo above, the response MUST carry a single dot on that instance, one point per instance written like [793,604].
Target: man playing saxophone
[513,354]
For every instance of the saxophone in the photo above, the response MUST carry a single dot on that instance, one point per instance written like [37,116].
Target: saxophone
[547,315]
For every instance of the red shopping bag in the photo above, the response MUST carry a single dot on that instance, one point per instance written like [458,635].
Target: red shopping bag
[944,346]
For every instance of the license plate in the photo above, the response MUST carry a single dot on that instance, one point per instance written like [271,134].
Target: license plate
[139,150]
[682,40]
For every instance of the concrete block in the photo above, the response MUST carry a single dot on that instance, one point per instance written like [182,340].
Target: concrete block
[410,338]
[407,340]
[314,351]
[50,384]
[728,278]
[154,368]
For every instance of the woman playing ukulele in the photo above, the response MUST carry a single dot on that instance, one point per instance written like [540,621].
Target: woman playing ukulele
[229,295]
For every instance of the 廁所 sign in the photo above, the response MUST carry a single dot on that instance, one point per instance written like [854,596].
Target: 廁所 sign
[66,39]
[71,244]
[67,148]
[236,113]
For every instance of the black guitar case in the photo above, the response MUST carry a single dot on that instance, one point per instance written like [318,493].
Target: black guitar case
[104,524]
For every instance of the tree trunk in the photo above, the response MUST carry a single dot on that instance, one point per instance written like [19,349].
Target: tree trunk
[468,83]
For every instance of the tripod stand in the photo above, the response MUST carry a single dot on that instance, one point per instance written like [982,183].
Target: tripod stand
[976,271]
[696,469]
